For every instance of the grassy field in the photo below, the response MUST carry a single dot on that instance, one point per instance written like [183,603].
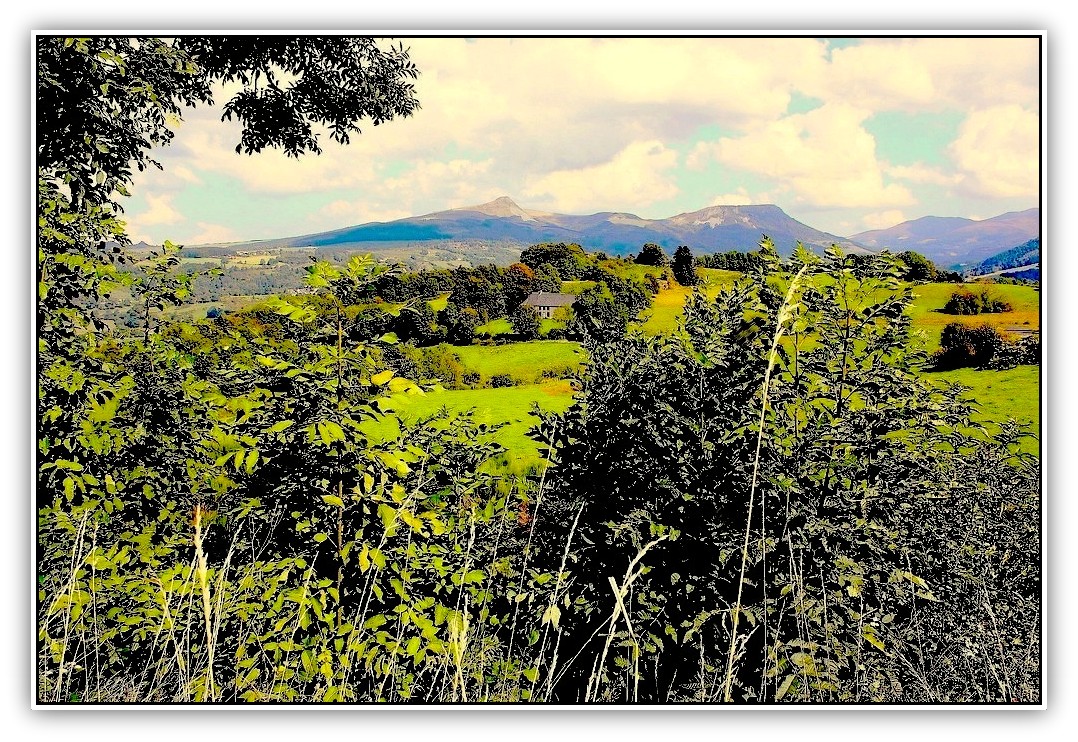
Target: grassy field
[510,407]
[632,270]
[669,303]
[526,363]
[1001,395]
[495,327]
[576,287]
[931,297]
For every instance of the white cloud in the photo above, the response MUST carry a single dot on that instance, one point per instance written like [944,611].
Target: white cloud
[883,219]
[998,149]
[740,197]
[159,210]
[533,115]
[824,156]
[919,172]
[636,176]
[359,212]
[185,174]
[208,232]
[931,73]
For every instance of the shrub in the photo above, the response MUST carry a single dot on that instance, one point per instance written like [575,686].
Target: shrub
[781,548]
[968,302]
[1025,352]
[962,346]
[442,363]
[498,381]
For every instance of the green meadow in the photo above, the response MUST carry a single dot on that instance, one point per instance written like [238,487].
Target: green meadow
[524,363]
[931,297]
[508,409]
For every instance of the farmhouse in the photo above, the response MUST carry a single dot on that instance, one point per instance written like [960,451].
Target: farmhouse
[545,303]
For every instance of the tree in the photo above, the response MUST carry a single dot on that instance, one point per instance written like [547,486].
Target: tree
[518,280]
[569,259]
[652,254]
[684,266]
[102,104]
[918,267]
[598,315]
[547,279]
[459,323]
[525,321]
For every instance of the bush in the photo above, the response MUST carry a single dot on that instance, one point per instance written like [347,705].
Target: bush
[442,363]
[879,571]
[967,302]
[963,346]
[1025,352]
[498,381]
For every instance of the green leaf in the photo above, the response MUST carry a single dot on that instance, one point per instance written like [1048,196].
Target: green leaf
[552,615]
[784,687]
[532,674]
[387,514]
[374,621]
[333,500]
[381,378]
[868,633]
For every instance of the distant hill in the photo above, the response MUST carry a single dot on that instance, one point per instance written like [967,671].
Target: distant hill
[713,229]
[955,241]
[1020,256]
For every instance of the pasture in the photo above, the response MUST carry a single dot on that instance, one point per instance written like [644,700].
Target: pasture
[525,363]
[508,410]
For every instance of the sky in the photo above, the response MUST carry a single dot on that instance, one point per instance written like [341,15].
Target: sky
[844,134]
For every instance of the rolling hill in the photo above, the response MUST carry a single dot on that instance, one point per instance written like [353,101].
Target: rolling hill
[1020,256]
[955,241]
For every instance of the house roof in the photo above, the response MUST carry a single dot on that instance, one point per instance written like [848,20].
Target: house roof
[548,299]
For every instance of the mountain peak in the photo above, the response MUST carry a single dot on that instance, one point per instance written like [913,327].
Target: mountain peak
[502,206]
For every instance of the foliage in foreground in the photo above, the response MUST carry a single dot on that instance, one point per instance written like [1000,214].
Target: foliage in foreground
[771,506]
[781,508]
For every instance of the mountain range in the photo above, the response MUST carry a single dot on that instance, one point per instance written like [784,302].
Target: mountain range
[504,227]
[713,229]
[955,241]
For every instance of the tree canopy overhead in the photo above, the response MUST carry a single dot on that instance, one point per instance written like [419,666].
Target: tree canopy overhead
[104,102]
